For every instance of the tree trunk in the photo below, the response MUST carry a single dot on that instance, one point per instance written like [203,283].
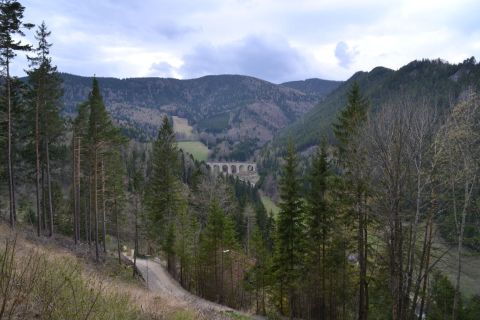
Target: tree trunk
[78,182]
[44,200]
[37,164]
[117,227]
[104,222]
[135,250]
[95,202]
[74,191]
[11,187]
[49,189]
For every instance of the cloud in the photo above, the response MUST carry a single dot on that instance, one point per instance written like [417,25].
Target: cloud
[344,54]
[163,69]
[314,38]
[173,31]
[269,58]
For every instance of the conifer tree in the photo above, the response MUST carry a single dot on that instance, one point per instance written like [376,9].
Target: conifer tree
[347,131]
[101,133]
[319,222]
[11,27]
[163,192]
[289,249]
[79,165]
[46,93]
[218,243]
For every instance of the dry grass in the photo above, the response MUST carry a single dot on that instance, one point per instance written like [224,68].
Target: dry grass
[45,280]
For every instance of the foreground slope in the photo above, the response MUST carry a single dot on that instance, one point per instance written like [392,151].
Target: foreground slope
[53,279]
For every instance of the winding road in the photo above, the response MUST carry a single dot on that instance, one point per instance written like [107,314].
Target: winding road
[159,281]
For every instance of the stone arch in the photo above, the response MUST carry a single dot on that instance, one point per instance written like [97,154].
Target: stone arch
[216,168]
[225,168]
[250,168]
[233,168]
[241,168]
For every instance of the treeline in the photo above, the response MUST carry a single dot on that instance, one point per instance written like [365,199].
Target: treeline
[358,242]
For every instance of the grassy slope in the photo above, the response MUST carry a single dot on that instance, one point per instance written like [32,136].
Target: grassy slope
[68,285]
[196,148]
[269,205]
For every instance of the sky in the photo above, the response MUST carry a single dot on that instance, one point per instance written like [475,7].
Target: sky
[275,40]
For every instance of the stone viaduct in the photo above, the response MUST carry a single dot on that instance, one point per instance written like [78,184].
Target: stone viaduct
[232,167]
[245,171]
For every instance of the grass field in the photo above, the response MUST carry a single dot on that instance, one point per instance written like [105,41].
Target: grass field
[196,148]
[270,205]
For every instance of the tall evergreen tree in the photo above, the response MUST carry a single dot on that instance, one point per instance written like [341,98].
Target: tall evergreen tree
[218,244]
[347,131]
[101,133]
[163,194]
[46,93]
[289,254]
[11,27]
[319,220]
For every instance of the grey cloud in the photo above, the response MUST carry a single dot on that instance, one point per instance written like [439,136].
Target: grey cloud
[162,69]
[174,31]
[344,54]
[267,58]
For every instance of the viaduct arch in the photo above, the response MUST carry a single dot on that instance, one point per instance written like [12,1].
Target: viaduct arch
[245,171]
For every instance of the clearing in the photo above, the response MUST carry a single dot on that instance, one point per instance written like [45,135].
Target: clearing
[181,126]
[196,148]
[269,205]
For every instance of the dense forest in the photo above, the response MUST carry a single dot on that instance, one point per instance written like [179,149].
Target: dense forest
[359,218]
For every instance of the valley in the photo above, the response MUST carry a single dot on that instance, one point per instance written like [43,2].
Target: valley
[214,172]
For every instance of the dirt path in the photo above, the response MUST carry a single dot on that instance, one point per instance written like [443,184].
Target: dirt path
[159,281]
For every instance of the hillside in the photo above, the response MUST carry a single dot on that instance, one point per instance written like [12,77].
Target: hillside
[57,280]
[435,80]
[314,86]
[230,106]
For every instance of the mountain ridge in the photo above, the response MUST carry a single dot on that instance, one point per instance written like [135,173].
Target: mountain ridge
[439,81]
[222,107]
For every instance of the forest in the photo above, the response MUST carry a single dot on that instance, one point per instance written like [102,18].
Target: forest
[359,219]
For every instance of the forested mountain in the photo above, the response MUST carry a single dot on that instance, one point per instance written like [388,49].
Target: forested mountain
[235,106]
[433,80]
[314,86]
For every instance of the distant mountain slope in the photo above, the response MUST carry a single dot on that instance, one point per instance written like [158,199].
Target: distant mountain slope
[436,79]
[232,106]
[314,86]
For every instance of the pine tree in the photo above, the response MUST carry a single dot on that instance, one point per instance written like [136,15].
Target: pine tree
[11,27]
[218,244]
[163,192]
[101,134]
[319,220]
[79,152]
[289,248]
[347,131]
[46,93]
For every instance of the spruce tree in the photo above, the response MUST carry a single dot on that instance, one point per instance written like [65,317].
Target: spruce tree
[163,197]
[11,27]
[101,134]
[45,94]
[218,244]
[352,160]
[289,246]
[319,222]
